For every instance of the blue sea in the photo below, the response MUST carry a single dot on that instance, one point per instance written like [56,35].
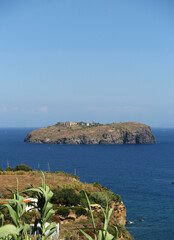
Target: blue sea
[141,174]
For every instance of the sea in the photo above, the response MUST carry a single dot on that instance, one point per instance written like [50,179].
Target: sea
[141,174]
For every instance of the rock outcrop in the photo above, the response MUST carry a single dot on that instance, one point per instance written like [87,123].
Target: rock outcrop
[93,133]
[119,212]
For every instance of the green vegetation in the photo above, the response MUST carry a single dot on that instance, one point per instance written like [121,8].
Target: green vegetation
[9,169]
[64,211]
[100,187]
[101,234]
[69,197]
[122,232]
[77,186]
[21,167]
[45,208]
[28,217]
[66,197]
[104,198]
[17,209]
[81,211]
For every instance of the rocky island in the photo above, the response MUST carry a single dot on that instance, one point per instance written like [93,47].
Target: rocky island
[93,133]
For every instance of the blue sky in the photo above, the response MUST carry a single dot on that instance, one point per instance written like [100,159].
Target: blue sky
[86,60]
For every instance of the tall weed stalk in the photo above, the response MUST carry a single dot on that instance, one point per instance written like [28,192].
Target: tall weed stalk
[101,234]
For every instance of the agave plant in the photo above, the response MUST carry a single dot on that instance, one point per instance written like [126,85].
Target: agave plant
[8,231]
[45,208]
[16,209]
[101,234]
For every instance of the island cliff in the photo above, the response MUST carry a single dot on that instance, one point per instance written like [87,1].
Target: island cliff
[92,133]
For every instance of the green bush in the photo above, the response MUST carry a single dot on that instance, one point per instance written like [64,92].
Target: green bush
[78,186]
[100,187]
[83,201]
[81,211]
[10,169]
[64,211]
[1,170]
[66,197]
[23,167]
[103,198]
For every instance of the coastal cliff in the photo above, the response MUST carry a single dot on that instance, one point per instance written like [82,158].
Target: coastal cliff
[77,216]
[92,133]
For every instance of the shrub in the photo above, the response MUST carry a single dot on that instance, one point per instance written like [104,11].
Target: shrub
[10,169]
[23,167]
[83,201]
[80,211]
[103,198]
[78,186]
[66,197]
[100,187]
[1,170]
[64,211]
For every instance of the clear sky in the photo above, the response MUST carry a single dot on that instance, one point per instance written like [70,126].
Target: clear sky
[86,60]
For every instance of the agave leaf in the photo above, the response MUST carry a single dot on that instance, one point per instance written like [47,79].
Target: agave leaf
[86,235]
[107,218]
[51,232]
[23,209]
[8,229]
[51,225]
[89,205]
[32,190]
[2,218]
[48,208]
[115,232]
[100,235]
[109,236]
[104,213]
[15,237]
[25,231]
[49,194]
[13,215]
[109,214]
[8,189]
[49,215]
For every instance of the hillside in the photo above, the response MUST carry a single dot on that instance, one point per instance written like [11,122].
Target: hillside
[76,218]
[92,133]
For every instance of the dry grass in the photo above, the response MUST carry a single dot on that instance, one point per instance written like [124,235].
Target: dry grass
[25,179]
